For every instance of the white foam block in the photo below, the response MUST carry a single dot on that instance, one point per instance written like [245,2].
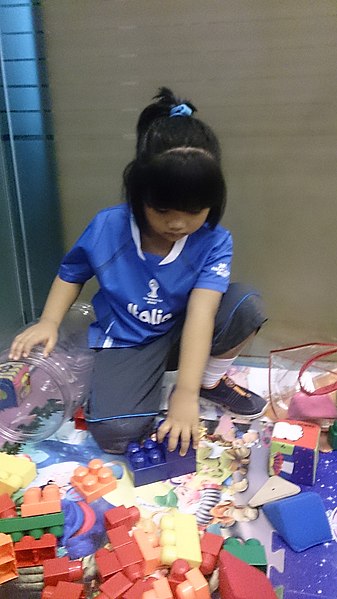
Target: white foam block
[275,488]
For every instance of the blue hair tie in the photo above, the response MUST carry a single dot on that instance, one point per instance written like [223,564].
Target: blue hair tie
[181,110]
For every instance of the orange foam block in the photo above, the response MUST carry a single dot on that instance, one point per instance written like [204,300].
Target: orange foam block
[149,551]
[194,587]
[8,569]
[38,501]
[93,481]
[161,590]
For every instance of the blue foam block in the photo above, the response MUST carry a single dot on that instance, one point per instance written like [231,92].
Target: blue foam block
[300,520]
[152,462]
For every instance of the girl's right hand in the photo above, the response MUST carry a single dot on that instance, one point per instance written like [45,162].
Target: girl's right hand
[45,332]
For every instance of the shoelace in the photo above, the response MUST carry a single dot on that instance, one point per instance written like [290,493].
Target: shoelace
[230,383]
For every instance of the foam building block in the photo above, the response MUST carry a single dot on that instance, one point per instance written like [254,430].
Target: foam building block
[150,552]
[250,551]
[238,580]
[294,451]
[15,472]
[194,587]
[138,589]
[31,552]
[179,539]
[107,564]
[79,419]
[118,536]
[115,586]
[300,520]
[93,481]
[131,560]
[121,515]
[177,573]
[152,462]
[8,566]
[34,526]
[68,590]
[61,568]
[274,488]
[37,501]
[161,590]
[126,556]
[7,506]
[210,545]
[332,435]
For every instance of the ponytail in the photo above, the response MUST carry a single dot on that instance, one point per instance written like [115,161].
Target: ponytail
[160,109]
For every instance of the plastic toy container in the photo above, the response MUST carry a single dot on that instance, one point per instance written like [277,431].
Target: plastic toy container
[303,383]
[37,394]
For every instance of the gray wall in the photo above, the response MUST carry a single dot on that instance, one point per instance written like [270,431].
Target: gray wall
[263,74]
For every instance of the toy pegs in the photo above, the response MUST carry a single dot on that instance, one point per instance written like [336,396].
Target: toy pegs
[179,538]
[210,545]
[178,573]
[38,501]
[93,481]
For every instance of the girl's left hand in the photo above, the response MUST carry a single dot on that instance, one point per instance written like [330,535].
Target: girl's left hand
[182,421]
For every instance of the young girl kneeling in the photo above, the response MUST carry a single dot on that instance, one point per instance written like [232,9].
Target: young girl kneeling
[165,299]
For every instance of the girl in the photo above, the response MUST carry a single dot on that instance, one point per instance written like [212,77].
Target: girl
[163,267]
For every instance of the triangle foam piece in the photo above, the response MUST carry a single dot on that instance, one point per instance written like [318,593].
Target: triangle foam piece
[275,488]
[238,580]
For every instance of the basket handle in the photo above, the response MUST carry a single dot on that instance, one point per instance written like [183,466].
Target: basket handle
[322,390]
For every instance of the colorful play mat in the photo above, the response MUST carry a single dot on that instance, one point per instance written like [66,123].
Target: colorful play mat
[232,465]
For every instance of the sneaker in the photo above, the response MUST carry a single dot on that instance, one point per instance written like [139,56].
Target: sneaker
[238,400]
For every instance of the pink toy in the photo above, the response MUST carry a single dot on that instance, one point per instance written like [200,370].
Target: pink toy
[312,407]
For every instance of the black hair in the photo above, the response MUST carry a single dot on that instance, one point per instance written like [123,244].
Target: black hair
[177,164]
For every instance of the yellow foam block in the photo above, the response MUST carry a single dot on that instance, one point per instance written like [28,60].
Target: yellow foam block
[180,539]
[15,473]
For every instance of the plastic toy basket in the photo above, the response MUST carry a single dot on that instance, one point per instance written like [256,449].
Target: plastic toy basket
[38,394]
[303,382]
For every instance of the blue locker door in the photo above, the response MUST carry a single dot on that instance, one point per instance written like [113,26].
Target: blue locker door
[11,301]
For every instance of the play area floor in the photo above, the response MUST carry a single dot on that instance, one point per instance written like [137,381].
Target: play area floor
[232,465]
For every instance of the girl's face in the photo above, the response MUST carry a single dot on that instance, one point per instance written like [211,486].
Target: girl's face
[172,225]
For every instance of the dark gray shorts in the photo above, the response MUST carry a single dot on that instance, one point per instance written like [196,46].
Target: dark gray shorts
[127,382]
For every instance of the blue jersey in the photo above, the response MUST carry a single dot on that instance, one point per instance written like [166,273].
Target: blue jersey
[142,295]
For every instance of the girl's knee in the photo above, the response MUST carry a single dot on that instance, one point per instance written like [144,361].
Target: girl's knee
[114,435]
[240,316]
